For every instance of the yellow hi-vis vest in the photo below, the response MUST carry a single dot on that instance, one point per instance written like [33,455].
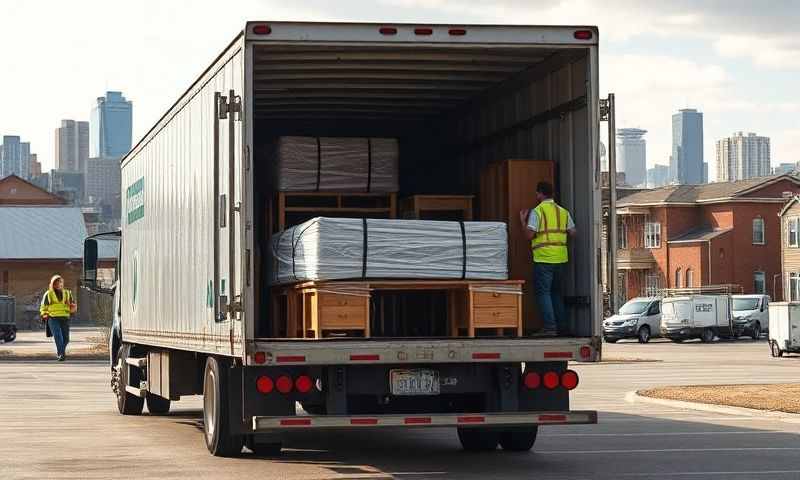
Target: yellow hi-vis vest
[549,244]
[53,307]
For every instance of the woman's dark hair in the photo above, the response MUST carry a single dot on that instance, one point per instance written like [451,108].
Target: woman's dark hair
[545,188]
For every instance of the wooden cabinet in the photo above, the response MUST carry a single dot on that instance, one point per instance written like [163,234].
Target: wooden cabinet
[437,207]
[506,188]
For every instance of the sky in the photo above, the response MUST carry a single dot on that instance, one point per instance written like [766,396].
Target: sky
[736,61]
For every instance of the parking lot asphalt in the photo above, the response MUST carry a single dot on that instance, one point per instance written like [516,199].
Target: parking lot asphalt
[60,421]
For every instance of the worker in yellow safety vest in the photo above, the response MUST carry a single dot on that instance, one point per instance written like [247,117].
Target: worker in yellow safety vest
[56,307]
[547,227]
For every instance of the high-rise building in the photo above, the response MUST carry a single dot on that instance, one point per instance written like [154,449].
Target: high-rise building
[785,168]
[742,156]
[15,157]
[111,126]
[72,146]
[603,158]
[68,185]
[658,176]
[632,155]
[686,162]
[36,167]
[103,181]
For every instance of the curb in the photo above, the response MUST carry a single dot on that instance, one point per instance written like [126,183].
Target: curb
[634,397]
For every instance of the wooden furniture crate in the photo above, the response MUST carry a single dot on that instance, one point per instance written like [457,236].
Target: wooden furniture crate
[426,207]
[307,205]
[321,309]
[506,188]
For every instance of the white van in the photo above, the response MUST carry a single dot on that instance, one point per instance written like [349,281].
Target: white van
[696,316]
[638,318]
[750,315]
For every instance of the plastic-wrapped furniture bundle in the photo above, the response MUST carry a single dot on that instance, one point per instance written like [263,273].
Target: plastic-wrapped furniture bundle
[348,248]
[328,164]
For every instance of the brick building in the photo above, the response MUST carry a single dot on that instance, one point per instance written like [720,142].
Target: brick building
[692,235]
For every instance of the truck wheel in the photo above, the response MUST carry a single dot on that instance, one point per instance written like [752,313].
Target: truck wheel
[773,348]
[478,439]
[157,405]
[644,334]
[756,333]
[11,336]
[127,404]
[220,440]
[269,449]
[518,440]
[707,335]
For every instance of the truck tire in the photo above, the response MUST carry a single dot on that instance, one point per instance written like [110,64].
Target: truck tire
[756,333]
[11,336]
[644,334]
[519,440]
[707,336]
[127,404]
[478,439]
[157,405]
[220,439]
[773,349]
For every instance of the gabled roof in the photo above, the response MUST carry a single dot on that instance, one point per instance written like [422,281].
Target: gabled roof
[706,193]
[41,233]
[17,191]
[700,235]
[788,205]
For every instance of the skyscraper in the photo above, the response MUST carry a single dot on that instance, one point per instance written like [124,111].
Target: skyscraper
[686,162]
[11,157]
[742,156]
[72,146]
[36,167]
[632,155]
[658,176]
[111,129]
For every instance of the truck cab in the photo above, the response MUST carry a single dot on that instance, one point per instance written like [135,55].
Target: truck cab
[750,314]
[639,318]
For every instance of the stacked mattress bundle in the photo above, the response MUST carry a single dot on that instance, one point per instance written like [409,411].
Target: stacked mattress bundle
[327,164]
[347,248]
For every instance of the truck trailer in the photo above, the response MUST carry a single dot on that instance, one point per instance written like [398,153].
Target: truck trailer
[193,309]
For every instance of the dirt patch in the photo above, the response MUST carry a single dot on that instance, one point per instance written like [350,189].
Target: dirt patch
[773,397]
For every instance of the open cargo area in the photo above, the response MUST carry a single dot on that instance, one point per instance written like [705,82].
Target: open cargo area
[465,121]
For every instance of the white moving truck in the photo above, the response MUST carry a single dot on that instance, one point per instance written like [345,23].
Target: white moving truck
[696,316]
[193,314]
[784,328]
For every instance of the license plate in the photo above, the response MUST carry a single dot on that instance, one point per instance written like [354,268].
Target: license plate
[414,382]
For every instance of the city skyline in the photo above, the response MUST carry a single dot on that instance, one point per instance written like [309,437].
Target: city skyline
[741,156]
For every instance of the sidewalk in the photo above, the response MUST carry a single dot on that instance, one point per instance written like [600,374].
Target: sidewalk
[84,343]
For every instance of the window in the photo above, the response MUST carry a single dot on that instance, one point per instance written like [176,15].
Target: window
[653,285]
[622,236]
[758,231]
[678,278]
[792,236]
[689,278]
[794,287]
[652,235]
[758,283]
[655,308]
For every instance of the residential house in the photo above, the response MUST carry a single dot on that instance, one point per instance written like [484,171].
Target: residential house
[693,235]
[790,250]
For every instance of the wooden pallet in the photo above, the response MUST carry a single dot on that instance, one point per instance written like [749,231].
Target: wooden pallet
[321,309]
[436,207]
[317,204]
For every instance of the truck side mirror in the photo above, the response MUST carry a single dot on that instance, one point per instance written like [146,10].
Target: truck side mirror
[90,263]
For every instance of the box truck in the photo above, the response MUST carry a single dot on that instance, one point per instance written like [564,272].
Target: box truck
[784,328]
[193,309]
[705,317]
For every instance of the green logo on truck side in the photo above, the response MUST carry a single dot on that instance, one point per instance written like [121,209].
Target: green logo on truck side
[135,201]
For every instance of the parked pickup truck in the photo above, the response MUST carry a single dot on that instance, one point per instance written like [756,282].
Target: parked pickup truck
[193,313]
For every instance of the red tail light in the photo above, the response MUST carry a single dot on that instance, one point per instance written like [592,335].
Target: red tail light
[532,380]
[569,380]
[260,357]
[284,384]
[262,30]
[303,384]
[457,32]
[388,31]
[586,351]
[264,384]
[583,34]
[550,380]
[423,31]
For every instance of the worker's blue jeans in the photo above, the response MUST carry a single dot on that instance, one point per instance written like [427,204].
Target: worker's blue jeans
[547,291]
[59,327]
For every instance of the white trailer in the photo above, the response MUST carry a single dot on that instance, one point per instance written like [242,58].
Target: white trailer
[696,316]
[193,314]
[784,328]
